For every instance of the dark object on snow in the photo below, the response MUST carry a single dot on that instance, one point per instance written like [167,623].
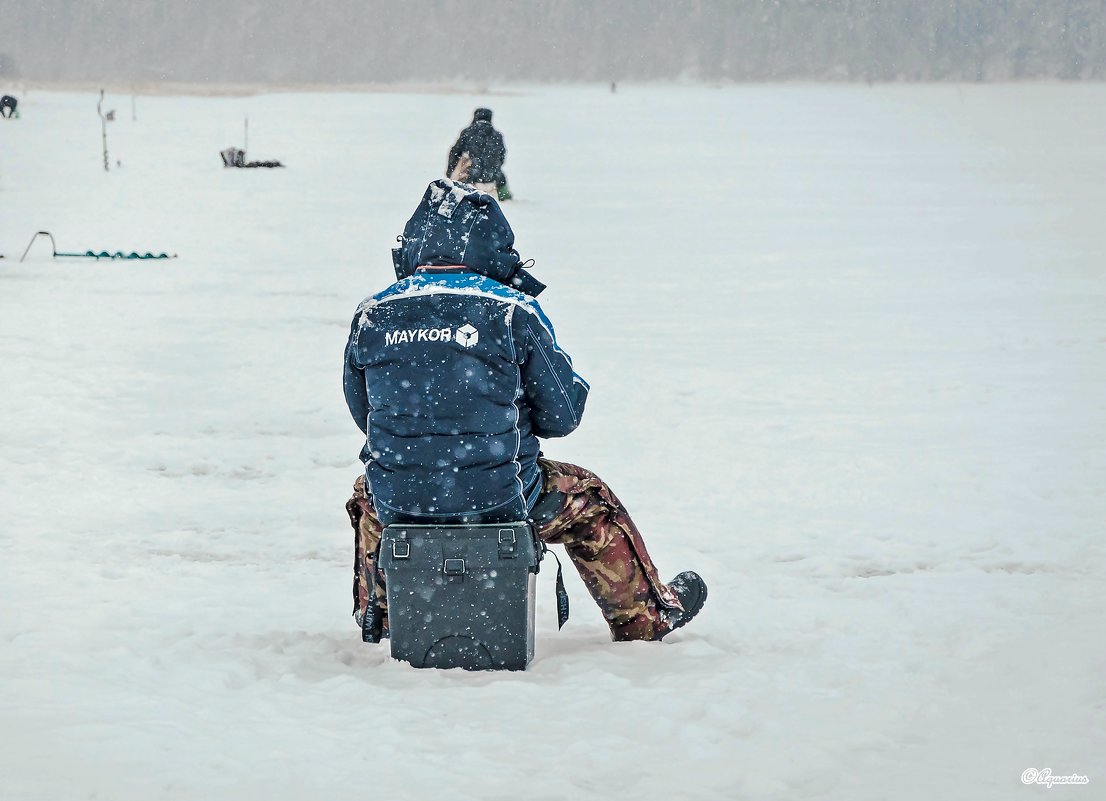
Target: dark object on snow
[484,147]
[461,596]
[7,106]
[103,254]
[229,156]
[234,157]
[90,254]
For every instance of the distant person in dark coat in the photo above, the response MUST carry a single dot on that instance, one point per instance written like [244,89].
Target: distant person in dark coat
[7,106]
[477,156]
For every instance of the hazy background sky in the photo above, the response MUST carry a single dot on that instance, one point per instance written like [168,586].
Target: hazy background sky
[379,41]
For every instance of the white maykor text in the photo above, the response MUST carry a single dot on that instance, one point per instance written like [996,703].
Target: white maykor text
[1046,777]
[466,335]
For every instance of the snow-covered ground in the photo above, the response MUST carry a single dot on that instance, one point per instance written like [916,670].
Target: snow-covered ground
[847,348]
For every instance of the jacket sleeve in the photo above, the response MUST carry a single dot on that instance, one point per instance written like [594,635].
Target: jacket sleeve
[554,393]
[353,382]
[455,154]
[501,152]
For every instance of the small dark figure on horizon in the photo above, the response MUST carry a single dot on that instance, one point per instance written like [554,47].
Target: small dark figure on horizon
[477,156]
[7,106]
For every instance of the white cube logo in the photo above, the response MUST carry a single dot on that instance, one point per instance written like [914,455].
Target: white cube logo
[467,335]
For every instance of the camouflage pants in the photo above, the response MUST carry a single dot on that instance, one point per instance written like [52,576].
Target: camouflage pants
[594,528]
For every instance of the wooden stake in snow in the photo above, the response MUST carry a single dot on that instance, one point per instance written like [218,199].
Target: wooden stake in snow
[103,128]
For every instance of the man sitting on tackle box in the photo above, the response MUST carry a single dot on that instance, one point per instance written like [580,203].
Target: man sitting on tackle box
[454,373]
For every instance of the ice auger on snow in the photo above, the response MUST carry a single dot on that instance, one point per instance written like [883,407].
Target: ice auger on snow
[92,254]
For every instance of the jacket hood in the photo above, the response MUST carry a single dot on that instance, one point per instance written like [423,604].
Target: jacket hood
[457,224]
[482,115]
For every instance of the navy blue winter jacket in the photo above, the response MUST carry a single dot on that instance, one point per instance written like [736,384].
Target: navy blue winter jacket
[453,376]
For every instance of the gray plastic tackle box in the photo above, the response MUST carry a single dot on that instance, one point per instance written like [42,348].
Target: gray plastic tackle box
[461,596]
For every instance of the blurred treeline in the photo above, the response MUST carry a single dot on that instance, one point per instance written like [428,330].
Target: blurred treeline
[371,41]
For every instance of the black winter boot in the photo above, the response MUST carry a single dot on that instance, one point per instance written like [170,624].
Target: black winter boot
[692,592]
